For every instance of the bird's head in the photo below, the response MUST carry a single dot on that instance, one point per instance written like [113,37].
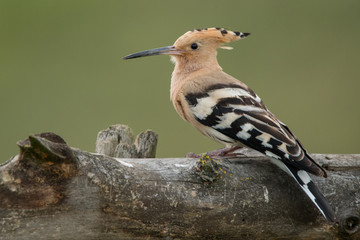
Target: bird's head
[196,45]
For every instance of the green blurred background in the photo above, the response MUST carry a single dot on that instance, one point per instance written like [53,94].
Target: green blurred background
[61,68]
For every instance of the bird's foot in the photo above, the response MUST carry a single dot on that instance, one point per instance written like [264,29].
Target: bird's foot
[193,155]
[223,152]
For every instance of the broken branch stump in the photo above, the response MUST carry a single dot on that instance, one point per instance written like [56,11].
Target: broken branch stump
[52,191]
[118,141]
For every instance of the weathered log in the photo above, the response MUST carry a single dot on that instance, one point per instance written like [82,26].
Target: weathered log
[52,191]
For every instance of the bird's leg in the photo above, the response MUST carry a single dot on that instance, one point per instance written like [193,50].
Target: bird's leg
[223,152]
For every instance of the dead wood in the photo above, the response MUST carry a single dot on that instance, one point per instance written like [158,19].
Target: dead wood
[52,191]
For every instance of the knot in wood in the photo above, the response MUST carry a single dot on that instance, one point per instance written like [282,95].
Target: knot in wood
[351,225]
[208,169]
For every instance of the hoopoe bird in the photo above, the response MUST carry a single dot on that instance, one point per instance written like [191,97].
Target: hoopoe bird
[227,110]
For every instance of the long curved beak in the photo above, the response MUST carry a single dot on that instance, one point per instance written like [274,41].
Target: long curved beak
[169,50]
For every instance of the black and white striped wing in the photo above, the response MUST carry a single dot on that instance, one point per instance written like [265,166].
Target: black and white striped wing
[238,113]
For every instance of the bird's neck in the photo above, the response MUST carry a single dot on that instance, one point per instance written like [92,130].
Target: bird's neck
[185,69]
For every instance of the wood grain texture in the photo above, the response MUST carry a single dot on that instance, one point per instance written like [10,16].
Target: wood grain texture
[118,141]
[52,191]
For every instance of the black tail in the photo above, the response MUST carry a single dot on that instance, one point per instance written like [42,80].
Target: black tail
[309,187]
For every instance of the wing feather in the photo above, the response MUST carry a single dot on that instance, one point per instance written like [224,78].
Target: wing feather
[237,112]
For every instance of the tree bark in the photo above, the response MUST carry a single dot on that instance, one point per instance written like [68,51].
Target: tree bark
[52,191]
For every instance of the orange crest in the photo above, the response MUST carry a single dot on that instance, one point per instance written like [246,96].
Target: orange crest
[219,35]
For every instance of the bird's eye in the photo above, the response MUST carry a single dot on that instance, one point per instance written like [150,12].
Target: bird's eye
[194,46]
